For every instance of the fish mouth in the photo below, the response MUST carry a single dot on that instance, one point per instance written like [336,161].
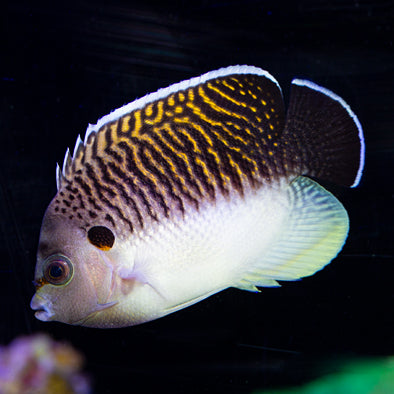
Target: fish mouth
[43,315]
[41,308]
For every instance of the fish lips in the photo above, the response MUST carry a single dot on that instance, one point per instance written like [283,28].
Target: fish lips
[41,307]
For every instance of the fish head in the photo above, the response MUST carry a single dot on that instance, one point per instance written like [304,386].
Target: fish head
[74,278]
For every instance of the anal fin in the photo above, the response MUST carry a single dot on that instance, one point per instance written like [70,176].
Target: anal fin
[250,282]
[312,236]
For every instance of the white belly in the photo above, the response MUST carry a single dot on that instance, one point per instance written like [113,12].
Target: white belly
[211,249]
[282,232]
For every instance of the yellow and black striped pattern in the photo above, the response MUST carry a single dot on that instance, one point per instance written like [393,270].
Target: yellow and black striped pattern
[220,136]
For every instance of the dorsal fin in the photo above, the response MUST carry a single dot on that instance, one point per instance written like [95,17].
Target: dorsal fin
[74,162]
[78,145]
[81,153]
[66,169]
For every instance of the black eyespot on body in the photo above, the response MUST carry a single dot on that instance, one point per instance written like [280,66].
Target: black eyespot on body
[57,270]
[101,237]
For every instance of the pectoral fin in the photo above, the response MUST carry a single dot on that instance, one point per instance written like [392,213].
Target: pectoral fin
[107,305]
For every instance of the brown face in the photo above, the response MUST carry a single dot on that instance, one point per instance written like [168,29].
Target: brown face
[72,279]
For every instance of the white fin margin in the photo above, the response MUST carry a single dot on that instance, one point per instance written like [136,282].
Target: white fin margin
[61,174]
[160,94]
[78,143]
[164,92]
[312,236]
[68,159]
[59,177]
[89,131]
[329,93]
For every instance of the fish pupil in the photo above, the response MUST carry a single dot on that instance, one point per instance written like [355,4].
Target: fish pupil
[56,271]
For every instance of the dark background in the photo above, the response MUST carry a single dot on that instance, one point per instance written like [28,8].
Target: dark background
[64,66]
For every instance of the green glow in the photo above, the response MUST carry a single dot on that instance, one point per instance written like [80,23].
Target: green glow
[357,377]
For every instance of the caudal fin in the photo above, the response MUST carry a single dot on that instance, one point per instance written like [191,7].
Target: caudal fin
[323,135]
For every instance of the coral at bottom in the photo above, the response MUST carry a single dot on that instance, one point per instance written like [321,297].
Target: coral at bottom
[38,364]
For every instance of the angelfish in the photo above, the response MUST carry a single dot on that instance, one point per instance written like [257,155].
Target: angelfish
[201,186]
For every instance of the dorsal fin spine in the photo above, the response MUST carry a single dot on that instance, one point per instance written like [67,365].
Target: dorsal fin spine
[89,131]
[77,145]
[66,162]
[58,177]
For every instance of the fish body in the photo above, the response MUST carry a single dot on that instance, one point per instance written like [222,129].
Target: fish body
[193,189]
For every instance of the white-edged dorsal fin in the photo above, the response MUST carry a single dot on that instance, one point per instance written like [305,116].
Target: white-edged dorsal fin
[78,155]
[90,130]
[59,177]
[164,92]
[78,145]
[82,151]
[66,171]
[69,162]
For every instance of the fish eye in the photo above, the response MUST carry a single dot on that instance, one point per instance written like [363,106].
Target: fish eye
[58,270]
[101,237]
